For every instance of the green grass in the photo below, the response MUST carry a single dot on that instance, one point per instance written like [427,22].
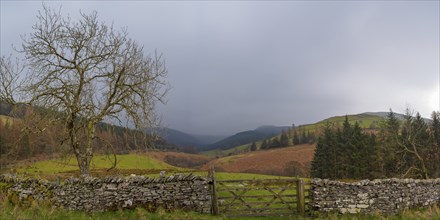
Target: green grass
[8,211]
[239,176]
[128,161]
[364,120]
[218,152]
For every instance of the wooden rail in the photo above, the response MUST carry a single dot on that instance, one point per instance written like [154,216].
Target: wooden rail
[264,197]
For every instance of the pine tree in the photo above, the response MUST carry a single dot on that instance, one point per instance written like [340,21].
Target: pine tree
[304,139]
[358,155]
[284,140]
[323,163]
[264,144]
[311,137]
[295,139]
[387,154]
[275,143]
[434,155]
[253,146]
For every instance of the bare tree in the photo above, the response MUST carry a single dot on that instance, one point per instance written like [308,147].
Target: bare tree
[10,79]
[87,72]
[415,143]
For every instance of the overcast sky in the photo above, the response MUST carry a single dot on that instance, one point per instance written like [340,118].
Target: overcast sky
[235,66]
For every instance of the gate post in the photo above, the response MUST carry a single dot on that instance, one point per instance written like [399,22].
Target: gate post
[214,204]
[300,203]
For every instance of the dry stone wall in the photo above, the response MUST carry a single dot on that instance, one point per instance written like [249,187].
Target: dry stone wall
[186,192]
[383,196]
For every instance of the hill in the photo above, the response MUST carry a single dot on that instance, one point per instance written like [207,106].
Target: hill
[293,160]
[366,121]
[16,145]
[246,137]
[237,140]
[178,138]
[183,139]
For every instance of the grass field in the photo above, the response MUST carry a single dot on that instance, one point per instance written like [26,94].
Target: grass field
[140,164]
[126,164]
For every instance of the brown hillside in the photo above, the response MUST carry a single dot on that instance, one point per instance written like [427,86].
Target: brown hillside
[275,161]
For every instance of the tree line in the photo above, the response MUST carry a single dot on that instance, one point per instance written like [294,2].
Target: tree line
[407,148]
[22,138]
[293,136]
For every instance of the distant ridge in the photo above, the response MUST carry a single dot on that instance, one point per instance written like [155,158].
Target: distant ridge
[245,137]
[177,137]
[183,139]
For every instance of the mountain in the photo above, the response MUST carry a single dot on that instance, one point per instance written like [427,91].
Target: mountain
[237,140]
[246,137]
[182,139]
[178,138]
[205,140]
[228,146]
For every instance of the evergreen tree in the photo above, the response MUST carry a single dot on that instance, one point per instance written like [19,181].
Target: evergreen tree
[387,155]
[311,137]
[284,139]
[264,144]
[253,146]
[434,155]
[304,139]
[357,154]
[295,139]
[323,163]
[275,143]
[435,127]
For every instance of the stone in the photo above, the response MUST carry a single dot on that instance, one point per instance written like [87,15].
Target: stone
[383,196]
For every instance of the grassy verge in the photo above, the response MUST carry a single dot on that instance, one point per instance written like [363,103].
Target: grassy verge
[8,211]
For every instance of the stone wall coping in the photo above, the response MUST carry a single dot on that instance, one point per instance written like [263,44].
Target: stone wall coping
[322,182]
[136,179]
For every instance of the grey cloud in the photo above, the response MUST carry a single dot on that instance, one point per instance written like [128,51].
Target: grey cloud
[237,65]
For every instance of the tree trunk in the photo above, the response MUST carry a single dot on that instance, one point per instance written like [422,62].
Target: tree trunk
[84,165]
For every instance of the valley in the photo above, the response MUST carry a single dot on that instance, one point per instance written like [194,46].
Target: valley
[231,154]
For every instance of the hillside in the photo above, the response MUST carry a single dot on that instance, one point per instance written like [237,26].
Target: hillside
[183,139]
[271,130]
[366,121]
[246,137]
[46,142]
[237,140]
[273,162]
[178,138]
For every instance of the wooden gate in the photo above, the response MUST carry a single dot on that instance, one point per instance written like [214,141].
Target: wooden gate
[266,197]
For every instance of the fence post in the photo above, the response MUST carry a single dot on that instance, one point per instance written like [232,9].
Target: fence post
[300,203]
[214,206]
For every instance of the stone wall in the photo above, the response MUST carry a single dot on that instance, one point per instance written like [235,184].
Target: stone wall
[382,196]
[187,192]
